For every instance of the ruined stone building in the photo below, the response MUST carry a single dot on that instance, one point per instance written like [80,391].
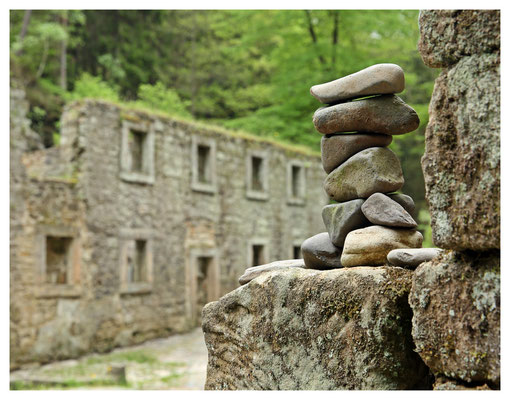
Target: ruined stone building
[128,227]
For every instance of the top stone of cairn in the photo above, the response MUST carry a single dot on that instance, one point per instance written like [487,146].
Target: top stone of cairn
[377,79]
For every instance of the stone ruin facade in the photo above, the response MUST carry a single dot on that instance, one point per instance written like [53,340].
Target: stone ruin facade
[433,322]
[124,231]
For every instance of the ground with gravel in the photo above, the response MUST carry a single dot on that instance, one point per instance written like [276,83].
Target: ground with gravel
[178,362]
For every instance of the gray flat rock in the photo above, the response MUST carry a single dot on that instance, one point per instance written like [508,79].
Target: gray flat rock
[252,272]
[319,253]
[405,201]
[377,79]
[386,114]
[370,246]
[412,257]
[335,149]
[342,218]
[382,210]
[376,169]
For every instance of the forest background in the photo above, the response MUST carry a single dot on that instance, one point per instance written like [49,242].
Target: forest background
[247,70]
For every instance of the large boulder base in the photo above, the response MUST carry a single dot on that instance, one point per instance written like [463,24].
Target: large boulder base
[376,169]
[314,330]
[448,35]
[456,316]
[386,114]
[376,79]
[461,163]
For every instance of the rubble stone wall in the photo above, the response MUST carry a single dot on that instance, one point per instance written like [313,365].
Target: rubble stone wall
[456,297]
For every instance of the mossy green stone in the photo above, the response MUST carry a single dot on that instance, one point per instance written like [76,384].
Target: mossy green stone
[376,169]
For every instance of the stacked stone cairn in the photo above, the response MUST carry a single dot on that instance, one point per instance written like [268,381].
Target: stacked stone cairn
[370,219]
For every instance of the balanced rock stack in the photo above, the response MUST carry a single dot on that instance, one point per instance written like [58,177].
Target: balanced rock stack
[369,219]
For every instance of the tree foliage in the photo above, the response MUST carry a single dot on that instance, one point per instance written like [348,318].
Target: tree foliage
[248,70]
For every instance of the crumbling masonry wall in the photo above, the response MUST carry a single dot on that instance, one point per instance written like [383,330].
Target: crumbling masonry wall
[456,298]
[196,205]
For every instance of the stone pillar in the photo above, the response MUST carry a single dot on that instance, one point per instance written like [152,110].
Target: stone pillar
[456,297]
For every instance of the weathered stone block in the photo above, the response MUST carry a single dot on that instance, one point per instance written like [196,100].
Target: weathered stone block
[456,315]
[306,329]
[461,163]
[448,35]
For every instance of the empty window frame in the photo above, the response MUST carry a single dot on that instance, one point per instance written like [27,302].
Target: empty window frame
[137,153]
[202,280]
[257,253]
[296,183]
[296,252]
[136,261]
[60,260]
[256,176]
[203,164]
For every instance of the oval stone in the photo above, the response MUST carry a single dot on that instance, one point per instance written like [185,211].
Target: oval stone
[252,272]
[376,79]
[412,257]
[319,253]
[376,169]
[386,114]
[370,246]
[335,149]
[342,218]
[382,210]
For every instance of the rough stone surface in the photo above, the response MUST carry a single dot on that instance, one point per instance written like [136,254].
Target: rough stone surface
[448,35]
[376,79]
[405,201]
[382,210]
[342,218]
[371,245]
[456,315]
[319,253]
[461,163]
[372,170]
[386,114]
[252,272]
[301,329]
[78,187]
[412,257]
[335,149]
[443,383]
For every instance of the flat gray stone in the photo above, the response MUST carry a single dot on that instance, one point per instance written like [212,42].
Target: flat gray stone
[376,79]
[370,246]
[412,257]
[252,272]
[405,201]
[386,114]
[335,149]
[382,210]
[342,218]
[319,253]
[376,169]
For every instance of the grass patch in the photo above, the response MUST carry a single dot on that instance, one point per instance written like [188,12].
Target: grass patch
[67,384]
[138,356]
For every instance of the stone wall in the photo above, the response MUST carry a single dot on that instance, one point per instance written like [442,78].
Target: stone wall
[456,298]
[190,210]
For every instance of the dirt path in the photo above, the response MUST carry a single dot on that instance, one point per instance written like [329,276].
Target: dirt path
[177,362]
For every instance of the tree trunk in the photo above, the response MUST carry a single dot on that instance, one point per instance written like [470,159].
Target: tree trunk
[63,55]
[312,34]
[334,38]
[24,29]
